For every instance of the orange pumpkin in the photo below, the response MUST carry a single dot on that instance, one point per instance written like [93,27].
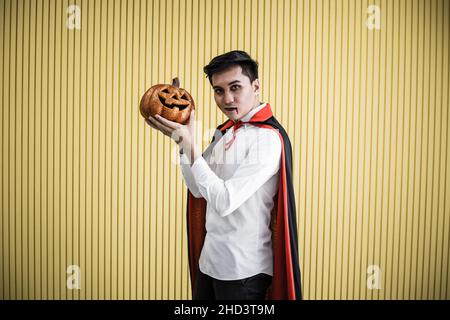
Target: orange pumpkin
[169,101]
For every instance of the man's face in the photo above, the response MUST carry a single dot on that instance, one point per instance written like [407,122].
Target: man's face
[233,92]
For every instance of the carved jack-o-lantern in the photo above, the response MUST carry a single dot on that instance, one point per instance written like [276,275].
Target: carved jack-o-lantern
[169,101]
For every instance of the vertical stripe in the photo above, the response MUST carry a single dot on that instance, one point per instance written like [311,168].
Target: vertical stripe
[85,182]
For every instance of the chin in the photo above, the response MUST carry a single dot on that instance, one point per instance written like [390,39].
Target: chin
[232,116]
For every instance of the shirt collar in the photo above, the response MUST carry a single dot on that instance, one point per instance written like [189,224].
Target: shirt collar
[252,112]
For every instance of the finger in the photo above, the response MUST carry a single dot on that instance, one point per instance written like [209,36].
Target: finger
[192,117]
[147,121]
[170,124]
[159,126]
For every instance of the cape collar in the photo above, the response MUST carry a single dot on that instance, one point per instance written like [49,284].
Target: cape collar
[260,116]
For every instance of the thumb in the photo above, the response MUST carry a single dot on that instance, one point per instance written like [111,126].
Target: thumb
[192,117]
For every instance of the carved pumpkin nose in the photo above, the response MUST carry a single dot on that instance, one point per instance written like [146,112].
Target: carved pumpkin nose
[169,101]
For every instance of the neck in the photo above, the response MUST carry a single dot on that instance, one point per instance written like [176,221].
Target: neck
[255,106]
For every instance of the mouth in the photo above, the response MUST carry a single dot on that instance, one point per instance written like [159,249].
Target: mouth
[231,110]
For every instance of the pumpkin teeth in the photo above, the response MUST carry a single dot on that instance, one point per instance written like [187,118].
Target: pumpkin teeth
[180,102]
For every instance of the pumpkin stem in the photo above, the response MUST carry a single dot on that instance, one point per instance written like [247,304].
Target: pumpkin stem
[176,82]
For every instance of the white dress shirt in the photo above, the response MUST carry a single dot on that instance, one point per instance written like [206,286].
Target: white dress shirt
[239,185]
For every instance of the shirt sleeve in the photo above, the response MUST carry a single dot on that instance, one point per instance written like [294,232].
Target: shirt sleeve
[188,177]
[259,165]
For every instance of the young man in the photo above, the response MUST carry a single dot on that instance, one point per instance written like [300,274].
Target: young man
[241,207]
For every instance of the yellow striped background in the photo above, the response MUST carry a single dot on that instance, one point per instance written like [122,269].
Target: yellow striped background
[85,182]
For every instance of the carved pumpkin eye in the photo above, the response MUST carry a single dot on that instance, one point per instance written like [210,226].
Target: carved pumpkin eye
[163,101]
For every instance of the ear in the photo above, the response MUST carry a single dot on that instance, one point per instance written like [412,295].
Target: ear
[256,86]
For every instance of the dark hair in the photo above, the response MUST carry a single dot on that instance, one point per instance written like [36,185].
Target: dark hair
[231,59]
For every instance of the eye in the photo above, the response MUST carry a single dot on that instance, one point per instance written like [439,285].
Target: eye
[235,87]
[217,91]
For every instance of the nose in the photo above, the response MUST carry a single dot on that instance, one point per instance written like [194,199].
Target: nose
[228,97]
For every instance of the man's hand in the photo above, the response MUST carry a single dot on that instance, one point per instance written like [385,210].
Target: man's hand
[183,135]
